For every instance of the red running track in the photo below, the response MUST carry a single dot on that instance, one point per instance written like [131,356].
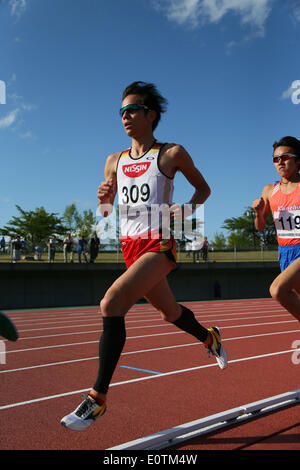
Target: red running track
[164,377]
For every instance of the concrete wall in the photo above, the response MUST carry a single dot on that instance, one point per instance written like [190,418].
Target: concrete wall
[36,285]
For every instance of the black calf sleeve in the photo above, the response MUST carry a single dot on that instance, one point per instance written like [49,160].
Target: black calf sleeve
[187,322]
[110,347]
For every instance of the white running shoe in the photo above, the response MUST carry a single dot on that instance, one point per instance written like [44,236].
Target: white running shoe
[84,415]
[216,348]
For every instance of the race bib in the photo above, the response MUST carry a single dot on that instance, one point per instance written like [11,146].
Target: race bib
[287,223]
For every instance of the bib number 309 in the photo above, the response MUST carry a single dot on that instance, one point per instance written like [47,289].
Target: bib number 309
[135,194]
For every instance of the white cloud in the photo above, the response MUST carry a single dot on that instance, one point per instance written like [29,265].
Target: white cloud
[17,8]
[28,136]
[293,92]
[229,46]
[183,11]
[4,199]
[194,12]
[9,119]
[15,109]
[287,93]
[295,7]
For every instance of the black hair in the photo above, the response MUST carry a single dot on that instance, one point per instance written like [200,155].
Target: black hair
[288,141]
[150,97]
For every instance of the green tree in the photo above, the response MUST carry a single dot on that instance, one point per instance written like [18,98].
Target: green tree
[243,232]
[238,239]
[71,218]
[79,224]
[269,234]
[219,242]
[35,226]
[86,223]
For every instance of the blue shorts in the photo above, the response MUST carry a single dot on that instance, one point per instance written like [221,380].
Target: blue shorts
[287,254]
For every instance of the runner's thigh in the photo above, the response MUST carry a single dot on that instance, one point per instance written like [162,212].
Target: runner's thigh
[133,285]
[162,298]
[290,277]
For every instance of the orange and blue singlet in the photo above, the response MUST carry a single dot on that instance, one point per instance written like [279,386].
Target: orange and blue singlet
[286,215]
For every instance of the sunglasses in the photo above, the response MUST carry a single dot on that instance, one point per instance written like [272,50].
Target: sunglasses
[284,157]
[132,108]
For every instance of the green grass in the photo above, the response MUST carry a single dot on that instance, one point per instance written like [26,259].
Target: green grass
[230,256]
[59,258]
[104,257]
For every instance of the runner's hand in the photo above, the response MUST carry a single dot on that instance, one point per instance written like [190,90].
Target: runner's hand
[105,194]
[258,205]
[106,191]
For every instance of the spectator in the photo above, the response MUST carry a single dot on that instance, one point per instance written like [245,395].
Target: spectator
[217,290]
[2,244]
[81,249]
[52,249]
[196,246]
[204,249]
[94,248]
[68,244]
[38,253]
[188,247]
[16,249]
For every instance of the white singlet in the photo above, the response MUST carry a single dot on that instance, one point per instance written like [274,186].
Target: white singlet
[144,193]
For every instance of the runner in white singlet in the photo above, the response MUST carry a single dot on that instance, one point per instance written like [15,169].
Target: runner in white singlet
[143,177]
[142,189]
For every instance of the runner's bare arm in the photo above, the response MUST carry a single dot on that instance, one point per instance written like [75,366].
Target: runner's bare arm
[176,158]
[108,188]
[180,160]
[262,208]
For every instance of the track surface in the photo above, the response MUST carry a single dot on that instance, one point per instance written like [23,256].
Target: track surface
[164,377]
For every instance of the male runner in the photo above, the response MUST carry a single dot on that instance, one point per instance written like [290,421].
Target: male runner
[283,198]
[143,176]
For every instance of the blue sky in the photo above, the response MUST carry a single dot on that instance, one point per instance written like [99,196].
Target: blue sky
[225,66]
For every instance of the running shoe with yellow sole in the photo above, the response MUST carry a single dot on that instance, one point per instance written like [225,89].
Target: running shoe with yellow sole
[84,415]
[216,347]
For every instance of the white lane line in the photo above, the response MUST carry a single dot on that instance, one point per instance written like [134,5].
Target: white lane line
[148,309]
[151,326]
[140,379]
[145,350]
[226,304]
[134,328]
[137,310]
[25,338]
[152,310]
[154,317]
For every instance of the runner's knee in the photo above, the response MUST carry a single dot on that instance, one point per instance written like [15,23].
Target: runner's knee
[105,307]
[116,302]
[171,316]
[165,316]
[278,290]
[110,305]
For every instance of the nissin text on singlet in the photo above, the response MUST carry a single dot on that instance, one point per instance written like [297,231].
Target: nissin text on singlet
[135,169]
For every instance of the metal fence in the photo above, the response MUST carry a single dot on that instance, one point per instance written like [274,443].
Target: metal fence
[114,255]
